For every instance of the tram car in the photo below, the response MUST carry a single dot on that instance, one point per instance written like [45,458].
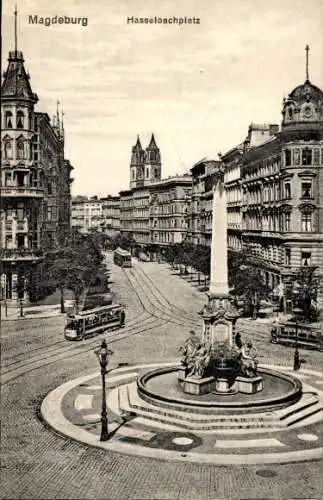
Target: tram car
[94,321]
[122,258]
[289,333]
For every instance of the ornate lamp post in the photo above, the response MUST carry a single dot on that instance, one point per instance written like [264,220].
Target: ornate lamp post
[102,353]
[297,362]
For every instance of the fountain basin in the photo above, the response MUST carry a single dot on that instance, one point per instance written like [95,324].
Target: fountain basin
[160,387]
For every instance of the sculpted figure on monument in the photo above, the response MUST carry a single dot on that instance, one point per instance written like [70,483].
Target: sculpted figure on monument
[199,362]
[249,360]
[188,350]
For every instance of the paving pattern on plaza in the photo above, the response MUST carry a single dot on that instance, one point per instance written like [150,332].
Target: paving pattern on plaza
[74,408]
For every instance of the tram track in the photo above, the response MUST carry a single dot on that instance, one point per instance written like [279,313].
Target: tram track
[29,353]
[156,311]
[22,369]
[166,311]
[18,368]
[36,352]
[182,312]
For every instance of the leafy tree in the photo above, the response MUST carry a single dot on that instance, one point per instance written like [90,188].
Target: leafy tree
[202,260]
[123,240]
[305,288]
[236,259]
[249,283]
[76,283]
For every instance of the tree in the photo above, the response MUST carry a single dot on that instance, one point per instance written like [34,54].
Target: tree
[62,270]
[76,283]
[202,260]
[236,259]
[123,240]
[249,283]
[305,291]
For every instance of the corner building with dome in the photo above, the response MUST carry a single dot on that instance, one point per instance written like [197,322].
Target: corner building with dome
[281,198]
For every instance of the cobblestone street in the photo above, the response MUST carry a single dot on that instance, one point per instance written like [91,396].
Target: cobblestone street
[39,464]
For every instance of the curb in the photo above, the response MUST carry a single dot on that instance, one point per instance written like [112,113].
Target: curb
[34,316]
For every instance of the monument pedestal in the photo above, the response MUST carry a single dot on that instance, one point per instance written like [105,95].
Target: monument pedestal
[249,385]
[222,386]
[199,386]
[181,374]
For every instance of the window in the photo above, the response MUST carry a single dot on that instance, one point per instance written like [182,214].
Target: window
[20,150]
[287,190]
[49,188]
[133,174]
[288,157]
[306,189]
[306,156]
[287,256]
[20,119]
[287,222]
[156,172]
[306,258]
[296,156]
[316,157]
[8,123]
[306,222]
[49,213]
[7,181]
[147,173]
[20,211]
[8,150]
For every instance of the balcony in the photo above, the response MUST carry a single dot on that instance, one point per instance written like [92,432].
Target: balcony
[18,191]
[22,254]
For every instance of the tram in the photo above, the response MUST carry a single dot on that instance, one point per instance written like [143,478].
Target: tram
[122,258]
[289,333]
[94,321]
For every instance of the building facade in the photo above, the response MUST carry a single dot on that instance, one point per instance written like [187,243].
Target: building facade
[154,211]
[111,215]
[169,203]
[87,214]
[145,169]
[34,203]
[282,197]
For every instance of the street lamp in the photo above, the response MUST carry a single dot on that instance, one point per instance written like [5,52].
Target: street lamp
[102,353]
[297,362]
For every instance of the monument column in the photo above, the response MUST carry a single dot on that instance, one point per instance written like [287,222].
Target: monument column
[219,315]
[219,246]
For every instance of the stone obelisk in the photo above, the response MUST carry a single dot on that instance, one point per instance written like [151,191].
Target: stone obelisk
[219,247]
[219,314]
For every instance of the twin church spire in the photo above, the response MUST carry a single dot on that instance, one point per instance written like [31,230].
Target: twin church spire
[145,164]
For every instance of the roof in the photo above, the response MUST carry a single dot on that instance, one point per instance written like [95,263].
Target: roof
[16,80]
[306,91]
[123,252]
[137,146]
[152,144]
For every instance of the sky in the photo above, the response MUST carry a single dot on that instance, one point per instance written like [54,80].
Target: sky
[197,87]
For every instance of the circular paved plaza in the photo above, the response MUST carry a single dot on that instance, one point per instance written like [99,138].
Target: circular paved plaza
[73,409]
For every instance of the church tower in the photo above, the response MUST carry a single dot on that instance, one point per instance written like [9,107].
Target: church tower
[137,165]
[145,165]
[152,162]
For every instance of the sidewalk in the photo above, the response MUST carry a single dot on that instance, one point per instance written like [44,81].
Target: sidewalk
[12,313]
[44,309]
